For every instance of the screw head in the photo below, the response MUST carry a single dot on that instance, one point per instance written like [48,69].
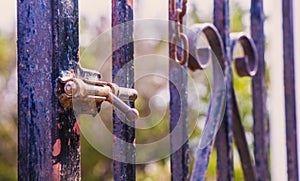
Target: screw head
[70,87]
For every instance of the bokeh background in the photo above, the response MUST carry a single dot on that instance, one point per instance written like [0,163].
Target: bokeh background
[95,19]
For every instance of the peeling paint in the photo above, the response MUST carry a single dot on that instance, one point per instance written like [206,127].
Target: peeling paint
[35,105]
[56,172]
[122,12]
[43,51]
[56,148]
[67,8]
[76,126]
[130,3]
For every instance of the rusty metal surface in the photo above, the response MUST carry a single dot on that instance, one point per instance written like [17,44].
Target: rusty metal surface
[260,126]
[47,41]
[86,94]
[289,90]
[65,125]
[178,106]
[122,11]
[35,91]
[224,136]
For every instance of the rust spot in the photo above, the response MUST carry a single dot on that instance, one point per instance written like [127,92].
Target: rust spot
[76,127]
[56,148]
[56,172]
[130,3]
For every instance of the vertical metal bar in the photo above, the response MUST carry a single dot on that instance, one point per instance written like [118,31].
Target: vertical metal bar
[35,90]
[289,89]
[259,94]
[225,134]
[66,134]
[47,42]
[178,111]
[122,74]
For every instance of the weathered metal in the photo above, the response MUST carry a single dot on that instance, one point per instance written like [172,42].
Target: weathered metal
[178,38]
[48,131]
[48,134]
[87,93]
[260,126]
[245,66]
[289,90]
[66,52]
[122,75]
[218,98]
[241,143]
[35,91]
[224,137]
[178,97]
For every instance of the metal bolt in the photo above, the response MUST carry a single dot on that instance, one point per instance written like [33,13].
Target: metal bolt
[130,113]
[70,87]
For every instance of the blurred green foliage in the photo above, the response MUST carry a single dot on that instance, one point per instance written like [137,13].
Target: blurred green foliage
[8,111]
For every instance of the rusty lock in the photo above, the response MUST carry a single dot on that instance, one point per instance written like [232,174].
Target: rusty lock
[83,90]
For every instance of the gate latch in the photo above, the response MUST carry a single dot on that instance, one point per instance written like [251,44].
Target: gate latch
[83,90]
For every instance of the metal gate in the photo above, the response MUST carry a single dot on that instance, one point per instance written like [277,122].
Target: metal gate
[48,132]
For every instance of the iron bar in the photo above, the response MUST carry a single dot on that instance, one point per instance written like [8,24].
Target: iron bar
[66,126]
[260,126]
[35,105]
[47,44]
[241,143]
[225,134]
[178,108]
[289,89]
[122,75]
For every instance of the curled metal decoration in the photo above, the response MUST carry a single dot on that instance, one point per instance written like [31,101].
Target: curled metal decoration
[247,65]
[199,59]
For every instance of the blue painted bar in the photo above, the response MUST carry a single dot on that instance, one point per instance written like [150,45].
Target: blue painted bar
[122,12]
[48,43]
[260,125]
[289,89]
[224,137]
